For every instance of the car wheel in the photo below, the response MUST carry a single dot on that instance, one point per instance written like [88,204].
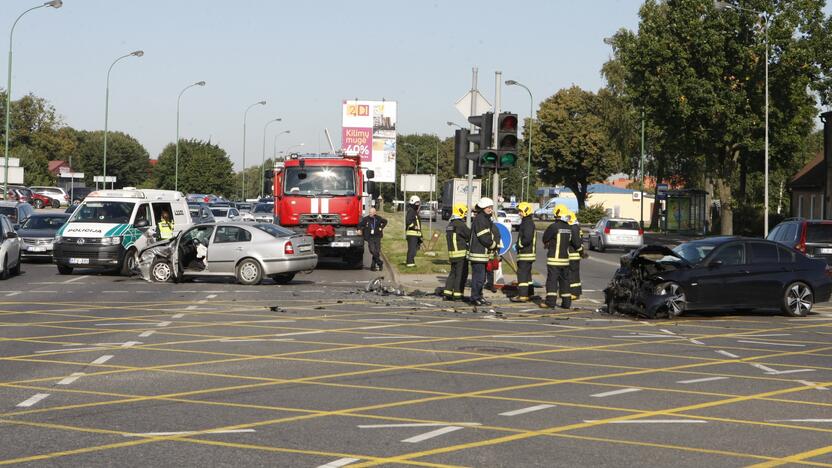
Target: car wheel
[5,274]
[130,262]
[161,271]
[55,203]
[601,247]
[64,270]
[676,302]
[798,299]
[16,269]
[249,272]
[283,278]
[38,203]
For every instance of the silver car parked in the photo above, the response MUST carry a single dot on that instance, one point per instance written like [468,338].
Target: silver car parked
[248,252]
[616,233]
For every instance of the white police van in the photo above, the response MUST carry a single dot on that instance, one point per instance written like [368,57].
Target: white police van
[110,226]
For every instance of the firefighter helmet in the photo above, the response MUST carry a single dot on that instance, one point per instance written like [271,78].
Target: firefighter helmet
[460,209]
[485,202]
[414,200]
[525,208]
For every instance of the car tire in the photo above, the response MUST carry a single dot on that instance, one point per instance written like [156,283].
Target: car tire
[16,269]
[55,203]
[129,263]
[677,304]
[249,272]
[4,275]
[283,278]
[38,203]
[64,270]
[797,299]
[161,271]
[591,245]
[601,247]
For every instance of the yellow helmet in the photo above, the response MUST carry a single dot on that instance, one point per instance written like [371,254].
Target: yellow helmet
[560,210]
[572,217]
[525,208]
[460,209]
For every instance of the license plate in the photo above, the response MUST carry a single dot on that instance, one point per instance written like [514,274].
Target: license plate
[826,251]
[79,261]
[339,244]
[305,248]
[36,248]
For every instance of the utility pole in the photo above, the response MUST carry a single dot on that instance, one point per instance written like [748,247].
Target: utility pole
[495,185]
[641,169]
[474,92]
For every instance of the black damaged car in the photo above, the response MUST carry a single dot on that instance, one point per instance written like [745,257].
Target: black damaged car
[718,273]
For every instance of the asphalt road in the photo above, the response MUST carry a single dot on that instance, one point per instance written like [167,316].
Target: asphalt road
[100,370]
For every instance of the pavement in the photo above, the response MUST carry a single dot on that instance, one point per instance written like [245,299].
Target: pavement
[102,370]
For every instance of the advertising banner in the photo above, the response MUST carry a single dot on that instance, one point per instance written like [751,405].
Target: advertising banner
[369,129]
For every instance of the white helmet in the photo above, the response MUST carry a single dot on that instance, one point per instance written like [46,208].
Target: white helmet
[485,202]
[414,200]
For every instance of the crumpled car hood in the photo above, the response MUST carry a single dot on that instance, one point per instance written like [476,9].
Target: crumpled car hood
[633,286]
[161,249]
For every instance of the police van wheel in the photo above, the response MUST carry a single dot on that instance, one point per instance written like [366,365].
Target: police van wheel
[130,262]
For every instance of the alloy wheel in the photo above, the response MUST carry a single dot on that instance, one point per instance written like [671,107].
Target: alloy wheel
[676,302]
[799,300]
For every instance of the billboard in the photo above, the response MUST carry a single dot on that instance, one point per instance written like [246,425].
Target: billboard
[369,129]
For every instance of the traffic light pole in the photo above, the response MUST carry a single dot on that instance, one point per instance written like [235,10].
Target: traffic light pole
[495,184]
[471,145]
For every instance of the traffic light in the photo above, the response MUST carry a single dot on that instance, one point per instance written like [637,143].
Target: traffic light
[460,152]
[506,140]
[484,155]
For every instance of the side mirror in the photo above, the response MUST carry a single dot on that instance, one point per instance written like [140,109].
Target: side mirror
[370,174]
[12,235]
[372,189]
[715,264]
[142,223]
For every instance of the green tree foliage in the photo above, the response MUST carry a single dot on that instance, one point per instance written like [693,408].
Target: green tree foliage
[698,74]
[126,158]
[35,167]
[425,148]
[203,168]
[572,146]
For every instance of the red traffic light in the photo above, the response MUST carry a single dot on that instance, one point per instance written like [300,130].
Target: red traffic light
[508,123]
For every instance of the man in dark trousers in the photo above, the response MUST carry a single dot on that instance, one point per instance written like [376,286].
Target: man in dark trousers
[457,234]
[575,255]
[526,254]
[558,240]
[412,230]
[480,247]
[372,227]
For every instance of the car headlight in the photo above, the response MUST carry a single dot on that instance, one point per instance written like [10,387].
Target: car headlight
[57,239]
[115,240]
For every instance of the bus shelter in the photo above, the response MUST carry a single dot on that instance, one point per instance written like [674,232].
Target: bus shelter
[685,212]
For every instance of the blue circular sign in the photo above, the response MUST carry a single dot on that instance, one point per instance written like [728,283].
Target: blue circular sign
[505,237]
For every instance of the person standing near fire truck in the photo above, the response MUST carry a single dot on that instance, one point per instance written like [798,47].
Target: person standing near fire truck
[413,230]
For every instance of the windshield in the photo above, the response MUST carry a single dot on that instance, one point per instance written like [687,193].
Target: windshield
[264,208]
[103,212]
[219,212]
[693,252]
[320,180]
[819,233]
[9,211]
[44,222]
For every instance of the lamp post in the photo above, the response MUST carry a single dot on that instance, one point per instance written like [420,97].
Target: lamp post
[53,4]
[454,124]
[766,18]
[176,163]
[289,149]
[274,146]
[243,174]
[531,125]
[263,159]
[135,53]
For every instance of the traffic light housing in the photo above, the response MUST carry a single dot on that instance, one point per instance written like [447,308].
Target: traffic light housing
[506,153]
[484,156]
[460,152]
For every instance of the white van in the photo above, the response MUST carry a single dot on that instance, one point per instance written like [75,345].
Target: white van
[110,226]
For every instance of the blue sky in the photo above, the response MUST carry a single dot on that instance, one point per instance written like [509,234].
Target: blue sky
[303,57]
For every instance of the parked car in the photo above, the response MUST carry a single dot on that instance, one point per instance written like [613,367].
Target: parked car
[427,212]
[10,250]
[17,212]
[224,214]
[38,234]
[813,237]
[244,207]
[718,273]
[264,213]
[200,212]
[248,252]
[53,192]
[42,201]
[200,197]
[511,216]
[616,233]
[23,193]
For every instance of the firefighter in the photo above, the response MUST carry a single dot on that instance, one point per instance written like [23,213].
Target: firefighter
[526,253]
[457,234]
[479,248]
[557,238]
[575,254]
[413,230]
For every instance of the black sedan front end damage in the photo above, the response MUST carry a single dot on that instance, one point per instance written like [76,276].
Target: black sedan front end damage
[638,287]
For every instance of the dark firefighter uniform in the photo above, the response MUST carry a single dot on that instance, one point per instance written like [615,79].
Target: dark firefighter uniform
[558,239]
[457,234]
[413,234]
[526,254]
[575,262]
[479,252]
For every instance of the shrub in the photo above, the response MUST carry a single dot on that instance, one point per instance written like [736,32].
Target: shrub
[592,214]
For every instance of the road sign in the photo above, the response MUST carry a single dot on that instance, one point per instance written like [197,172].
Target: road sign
[464,103]
[101,179]
[418,182]
[505,237]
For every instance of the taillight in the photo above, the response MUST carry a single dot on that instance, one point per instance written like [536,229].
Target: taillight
[607,230]
[640,231]
[288,248]
[66,197]
[801,246]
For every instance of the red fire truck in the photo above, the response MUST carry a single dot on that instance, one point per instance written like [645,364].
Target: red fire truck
[321,196]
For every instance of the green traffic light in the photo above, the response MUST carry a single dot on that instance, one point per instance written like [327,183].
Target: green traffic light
[489,157]
[508,159]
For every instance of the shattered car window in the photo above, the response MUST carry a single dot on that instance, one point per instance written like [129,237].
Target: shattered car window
[693,252]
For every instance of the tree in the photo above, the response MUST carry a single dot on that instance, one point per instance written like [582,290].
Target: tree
[572,145]
[203,168]
[126,157]
[425,148]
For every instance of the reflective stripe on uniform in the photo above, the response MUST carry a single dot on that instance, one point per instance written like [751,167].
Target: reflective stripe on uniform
[528,257]
[557,262]
[574,255]
[479,257]
[457,253]
[413,233]
[575,285]
[484,231]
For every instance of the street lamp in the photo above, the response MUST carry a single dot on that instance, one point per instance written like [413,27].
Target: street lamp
[135,53]
[53,4]
[263,159]
[721,6]
[454,124]
[417,154]
[243,177]
[274,145]
[531,125]
[176,163]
